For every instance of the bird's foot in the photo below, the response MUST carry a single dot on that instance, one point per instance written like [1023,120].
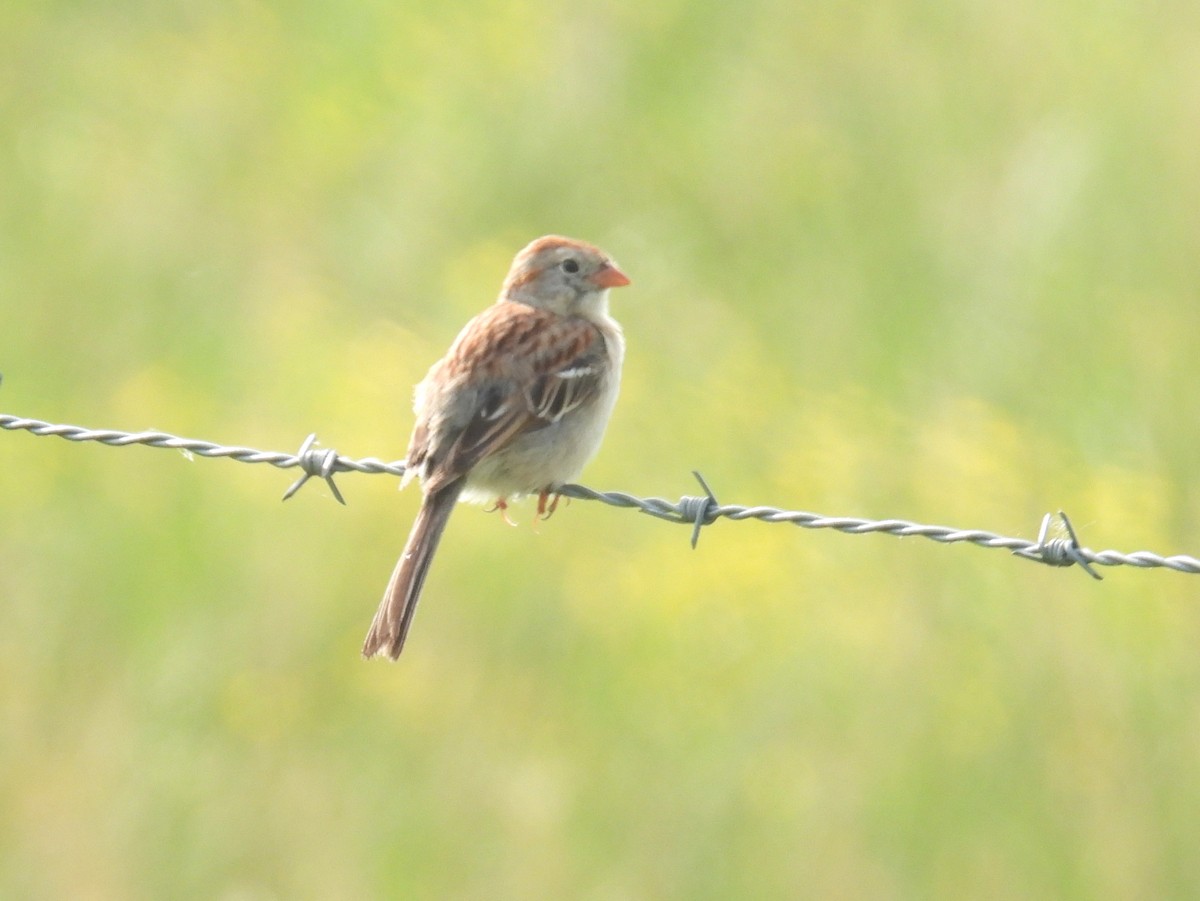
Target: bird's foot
[544,510]
[501,507]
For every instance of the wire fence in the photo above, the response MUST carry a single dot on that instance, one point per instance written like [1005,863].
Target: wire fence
[696,511]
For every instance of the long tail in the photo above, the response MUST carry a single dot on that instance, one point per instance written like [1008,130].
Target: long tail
[395,613]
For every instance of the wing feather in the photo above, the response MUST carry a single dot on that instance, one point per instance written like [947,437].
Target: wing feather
[513,369]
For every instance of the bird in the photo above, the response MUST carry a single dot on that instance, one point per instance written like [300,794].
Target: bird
[517,406]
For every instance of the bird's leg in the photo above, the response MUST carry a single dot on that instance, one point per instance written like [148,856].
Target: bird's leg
[544,512]
[501,506]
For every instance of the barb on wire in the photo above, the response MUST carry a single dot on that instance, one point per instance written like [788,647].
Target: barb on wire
[696,512]
[316,463]
[1059,551]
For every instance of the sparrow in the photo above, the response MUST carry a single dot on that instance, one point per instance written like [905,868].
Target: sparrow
[517,406]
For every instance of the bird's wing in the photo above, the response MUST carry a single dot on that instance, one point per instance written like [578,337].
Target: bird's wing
[514,369]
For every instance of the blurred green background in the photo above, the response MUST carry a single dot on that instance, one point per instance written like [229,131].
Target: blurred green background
[928,260]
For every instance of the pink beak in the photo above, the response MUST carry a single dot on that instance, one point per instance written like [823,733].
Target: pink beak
[609,276]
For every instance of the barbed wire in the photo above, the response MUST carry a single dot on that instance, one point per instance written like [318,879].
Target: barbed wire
[696,511]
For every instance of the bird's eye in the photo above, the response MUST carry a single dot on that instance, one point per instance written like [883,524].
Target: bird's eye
[570,265]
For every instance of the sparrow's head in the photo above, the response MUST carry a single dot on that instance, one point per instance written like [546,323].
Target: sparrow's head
[562,275]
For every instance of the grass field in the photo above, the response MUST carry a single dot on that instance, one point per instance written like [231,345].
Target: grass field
[900,259]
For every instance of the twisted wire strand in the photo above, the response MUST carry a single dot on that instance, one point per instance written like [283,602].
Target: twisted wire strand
[696,511]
